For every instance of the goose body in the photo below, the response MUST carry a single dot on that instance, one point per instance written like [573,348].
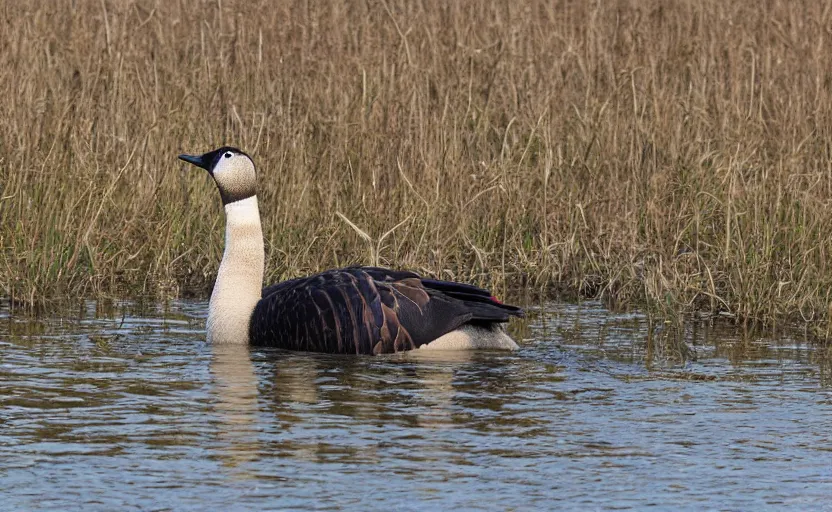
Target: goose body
[354,310]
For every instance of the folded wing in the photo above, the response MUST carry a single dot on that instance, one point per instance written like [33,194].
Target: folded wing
[368,310]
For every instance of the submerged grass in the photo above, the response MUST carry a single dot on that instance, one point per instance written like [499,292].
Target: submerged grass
[673,154]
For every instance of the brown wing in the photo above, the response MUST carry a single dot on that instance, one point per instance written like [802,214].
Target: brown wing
[367,310]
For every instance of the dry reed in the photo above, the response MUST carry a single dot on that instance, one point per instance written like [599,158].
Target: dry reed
[675,154]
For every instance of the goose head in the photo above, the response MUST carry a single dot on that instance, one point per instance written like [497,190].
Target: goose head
[232,170]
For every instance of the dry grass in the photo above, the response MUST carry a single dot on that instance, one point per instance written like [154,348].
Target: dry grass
[673,154]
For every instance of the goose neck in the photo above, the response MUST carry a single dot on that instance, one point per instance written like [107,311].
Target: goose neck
[240,277]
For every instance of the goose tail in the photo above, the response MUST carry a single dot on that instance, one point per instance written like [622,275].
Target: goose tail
[480,303]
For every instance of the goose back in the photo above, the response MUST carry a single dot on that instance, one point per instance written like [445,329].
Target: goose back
[368,310]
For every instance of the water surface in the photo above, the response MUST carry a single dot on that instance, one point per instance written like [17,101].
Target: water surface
[598,410]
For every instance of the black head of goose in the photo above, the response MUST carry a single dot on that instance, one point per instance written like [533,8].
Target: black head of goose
[358,310]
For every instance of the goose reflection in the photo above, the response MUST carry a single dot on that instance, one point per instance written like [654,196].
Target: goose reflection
[236,405]
[434,373]
[310,403]
[415,388]
[317,400]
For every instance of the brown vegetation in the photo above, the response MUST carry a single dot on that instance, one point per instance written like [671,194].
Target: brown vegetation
[676,154]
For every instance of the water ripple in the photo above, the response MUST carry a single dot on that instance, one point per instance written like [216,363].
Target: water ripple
[597,410]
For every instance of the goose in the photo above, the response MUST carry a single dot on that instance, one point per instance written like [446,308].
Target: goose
[353,310]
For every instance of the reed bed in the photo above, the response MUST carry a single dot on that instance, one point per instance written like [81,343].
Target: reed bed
[675,155]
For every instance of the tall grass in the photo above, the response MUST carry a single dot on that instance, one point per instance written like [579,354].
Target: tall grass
[675,154]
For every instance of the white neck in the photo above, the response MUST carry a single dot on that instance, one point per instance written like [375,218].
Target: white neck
[240,278]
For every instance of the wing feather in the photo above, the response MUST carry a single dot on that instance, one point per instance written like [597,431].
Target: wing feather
[368,310]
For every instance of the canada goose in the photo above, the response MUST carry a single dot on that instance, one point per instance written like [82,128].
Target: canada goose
[362,310]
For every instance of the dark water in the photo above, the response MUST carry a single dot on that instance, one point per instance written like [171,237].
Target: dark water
[596,411]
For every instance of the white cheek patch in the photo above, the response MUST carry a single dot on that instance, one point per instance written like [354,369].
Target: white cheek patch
[235,177]
[221,176]
[232,182]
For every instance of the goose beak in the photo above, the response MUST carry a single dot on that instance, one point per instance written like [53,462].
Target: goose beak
[199,161]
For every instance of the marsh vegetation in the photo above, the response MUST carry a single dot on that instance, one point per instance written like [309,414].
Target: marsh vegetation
[675,155]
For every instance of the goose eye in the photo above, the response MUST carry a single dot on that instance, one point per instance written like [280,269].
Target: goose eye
[227,154]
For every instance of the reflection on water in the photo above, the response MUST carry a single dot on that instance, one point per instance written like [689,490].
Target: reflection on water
[236,405]
[598,410]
